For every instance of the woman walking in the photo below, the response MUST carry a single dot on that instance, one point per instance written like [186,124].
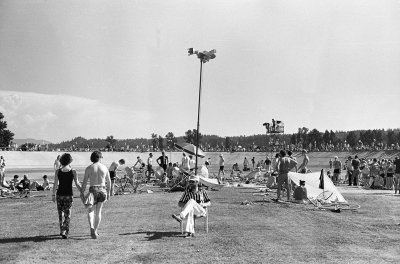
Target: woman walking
[63,179]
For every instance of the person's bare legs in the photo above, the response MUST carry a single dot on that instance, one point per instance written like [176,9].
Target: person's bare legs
[97,217]
[91,220]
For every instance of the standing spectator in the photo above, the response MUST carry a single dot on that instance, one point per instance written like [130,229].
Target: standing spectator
[389,175]
[396,165]
[162,161]
[97,175]
[150,170]
[221,166]
[365,172]
[275,162]
[185,162]
[253,161]
[306,159]
[285,165]
[113,173]
[337,169]
[169,171]
[57,163]
[349,168]
[63,179]
[268,164]
[2,171]
[356,170]
[245,164]
[374,172]
[289,153]
[382,172]
[192,163]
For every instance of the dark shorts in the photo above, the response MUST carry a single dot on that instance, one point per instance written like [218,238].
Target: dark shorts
[112,175]
[99,193]
[221,168]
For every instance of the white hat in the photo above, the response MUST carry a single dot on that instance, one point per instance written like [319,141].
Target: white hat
[194,178]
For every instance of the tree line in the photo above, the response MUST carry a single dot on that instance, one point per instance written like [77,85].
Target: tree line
[303,139]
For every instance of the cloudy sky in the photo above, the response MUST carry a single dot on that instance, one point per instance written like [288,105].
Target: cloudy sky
[98,68]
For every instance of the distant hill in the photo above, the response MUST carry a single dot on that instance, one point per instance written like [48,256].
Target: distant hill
[30,140]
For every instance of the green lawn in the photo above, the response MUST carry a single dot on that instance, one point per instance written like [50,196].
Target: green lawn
[138,228]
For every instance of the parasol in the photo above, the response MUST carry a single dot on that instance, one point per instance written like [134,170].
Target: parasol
[190,149]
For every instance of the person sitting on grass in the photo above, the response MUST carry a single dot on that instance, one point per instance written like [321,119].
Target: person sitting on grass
[44,186]
[300,193]
[192,202]
[24,186]
[14,182]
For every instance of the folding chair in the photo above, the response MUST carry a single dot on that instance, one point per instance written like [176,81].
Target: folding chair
[205,222]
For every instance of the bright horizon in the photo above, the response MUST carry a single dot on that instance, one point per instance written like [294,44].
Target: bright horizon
[100,68]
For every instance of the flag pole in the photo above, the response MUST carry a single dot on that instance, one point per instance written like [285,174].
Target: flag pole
[198,117]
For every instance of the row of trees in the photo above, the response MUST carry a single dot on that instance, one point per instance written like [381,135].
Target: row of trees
[304,138]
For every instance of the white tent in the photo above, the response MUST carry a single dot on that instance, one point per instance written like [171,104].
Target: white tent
[329,193]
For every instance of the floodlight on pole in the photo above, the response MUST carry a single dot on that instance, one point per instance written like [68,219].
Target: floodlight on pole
[203,56]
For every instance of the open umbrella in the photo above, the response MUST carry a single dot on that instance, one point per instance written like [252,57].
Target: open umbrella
[190,149]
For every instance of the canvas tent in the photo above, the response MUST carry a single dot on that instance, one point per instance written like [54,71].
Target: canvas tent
[329,193]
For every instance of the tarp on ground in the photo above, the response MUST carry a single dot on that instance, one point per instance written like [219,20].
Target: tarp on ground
[329,194]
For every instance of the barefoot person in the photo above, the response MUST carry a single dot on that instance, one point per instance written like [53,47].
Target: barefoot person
[97,174]
[285,164]
[113,173]
[303,166]
[63,185]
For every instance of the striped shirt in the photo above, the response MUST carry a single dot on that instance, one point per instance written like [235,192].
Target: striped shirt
[200,196]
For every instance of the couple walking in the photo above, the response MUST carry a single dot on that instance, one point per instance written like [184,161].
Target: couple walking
[96,174]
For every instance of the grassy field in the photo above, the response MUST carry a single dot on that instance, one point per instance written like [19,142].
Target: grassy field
[138,228]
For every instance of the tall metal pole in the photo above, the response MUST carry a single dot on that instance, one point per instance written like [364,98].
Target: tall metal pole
[198,116]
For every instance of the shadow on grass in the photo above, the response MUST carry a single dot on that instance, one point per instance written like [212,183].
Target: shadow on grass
[153,235]
[29,239]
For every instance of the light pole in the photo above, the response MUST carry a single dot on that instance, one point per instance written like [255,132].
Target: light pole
[204,57]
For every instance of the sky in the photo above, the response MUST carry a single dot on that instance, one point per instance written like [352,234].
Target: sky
[99,68]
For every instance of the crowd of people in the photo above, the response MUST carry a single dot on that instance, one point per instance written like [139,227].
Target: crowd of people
[100,181]
[370,173]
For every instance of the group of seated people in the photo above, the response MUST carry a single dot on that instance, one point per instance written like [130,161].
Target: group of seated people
[24,186]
